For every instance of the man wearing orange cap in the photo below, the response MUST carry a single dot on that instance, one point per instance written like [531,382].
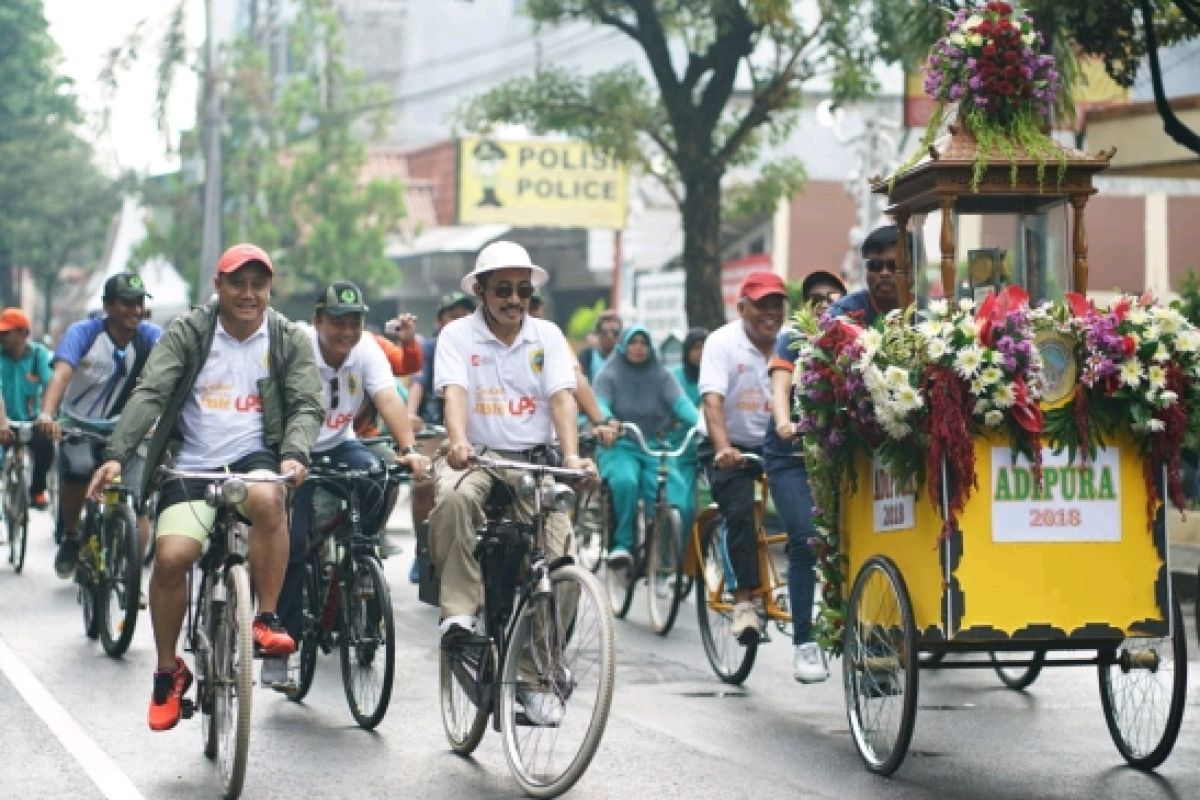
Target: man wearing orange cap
[25,373]
[736,401]
[235,384]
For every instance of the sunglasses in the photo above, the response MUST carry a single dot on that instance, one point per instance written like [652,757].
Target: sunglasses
[881,264]
[505,290]
[613,332]
[816,298]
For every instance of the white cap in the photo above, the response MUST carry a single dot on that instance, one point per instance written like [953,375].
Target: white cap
[503,255]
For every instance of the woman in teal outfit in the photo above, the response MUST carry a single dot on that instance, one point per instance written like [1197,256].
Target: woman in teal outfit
[635,387]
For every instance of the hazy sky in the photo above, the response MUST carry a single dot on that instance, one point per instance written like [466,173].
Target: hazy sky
[85,32]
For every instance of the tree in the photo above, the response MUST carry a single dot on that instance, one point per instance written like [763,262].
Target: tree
[695,121]
[293,161]
[55,205]
[1120,32]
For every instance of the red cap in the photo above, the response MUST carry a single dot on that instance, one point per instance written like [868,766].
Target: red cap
[12,319]
[242,254]
[760,284]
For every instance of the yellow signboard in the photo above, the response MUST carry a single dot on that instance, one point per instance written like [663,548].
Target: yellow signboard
[539,183]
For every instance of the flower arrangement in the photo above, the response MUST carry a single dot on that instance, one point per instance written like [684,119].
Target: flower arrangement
[989,64]
[1140,368]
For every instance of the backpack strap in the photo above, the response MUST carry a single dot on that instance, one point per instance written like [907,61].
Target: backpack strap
[141,348]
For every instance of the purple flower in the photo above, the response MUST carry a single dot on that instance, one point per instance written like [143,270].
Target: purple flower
[981,101]
[975,83]
[956,91]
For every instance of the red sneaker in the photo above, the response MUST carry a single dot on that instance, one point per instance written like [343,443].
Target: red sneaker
[272,639]
[167,699]
[40,500]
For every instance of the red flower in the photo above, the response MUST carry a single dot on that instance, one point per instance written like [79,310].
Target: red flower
[1003,8]
[984,28]
[1080,305]
[1026,412]
[995,308]
[1004,25]
[989,50]
[1010,73]
[1011,57]
[1128,345]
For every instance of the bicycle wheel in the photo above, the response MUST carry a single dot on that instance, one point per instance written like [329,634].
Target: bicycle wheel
[664,570]
[368,642]
[121,582]
[233,662]
[557,682]
[87,572]
[463,721]
[1144,692]
[731,660]
[16,511]
[880,666]
[621,582]
[1017,677]
[312,608]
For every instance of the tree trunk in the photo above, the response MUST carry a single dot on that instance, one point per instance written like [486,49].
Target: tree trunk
[701,249]
[49,284]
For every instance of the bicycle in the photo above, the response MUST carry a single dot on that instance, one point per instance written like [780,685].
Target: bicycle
[218,626]
[708,562]
[16,493]
[109,568]
[548,638]
[657,545]
[343,563]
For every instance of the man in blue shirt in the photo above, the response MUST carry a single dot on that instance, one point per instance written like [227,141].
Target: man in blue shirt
[96,366]
[883,291]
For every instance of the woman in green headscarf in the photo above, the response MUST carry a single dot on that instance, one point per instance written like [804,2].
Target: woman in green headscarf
[635,387]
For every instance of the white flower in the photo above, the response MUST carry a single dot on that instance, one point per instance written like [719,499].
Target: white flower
[967,327]
[1156,426]
[977,387]
[909,399]
[932,328]
[1152,333]
[1161,354]
[981,406]
[936,348]
[975,40]
[972,22]
[1003,396]
[991,375]
[1156,376]
[1137,316]
[1188,341]
[993,418]
[895,377]
[1168,398]
[966,305]
[1027,38]
[873,378]
[938,308]
[968,360]
[958,40]
[1169,320]
[1131,372]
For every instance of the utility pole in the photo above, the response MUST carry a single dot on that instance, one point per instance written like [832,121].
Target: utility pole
[210,235]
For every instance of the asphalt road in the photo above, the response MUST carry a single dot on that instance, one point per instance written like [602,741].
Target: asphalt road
[72,724]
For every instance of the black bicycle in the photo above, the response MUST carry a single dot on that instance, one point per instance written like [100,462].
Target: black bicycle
[109,569]
[543,668]
[16,492]
[346,600]
[657,551]
[218,628]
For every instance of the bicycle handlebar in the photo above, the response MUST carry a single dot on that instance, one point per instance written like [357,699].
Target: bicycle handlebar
[487,462]
[164,473]
[637,435]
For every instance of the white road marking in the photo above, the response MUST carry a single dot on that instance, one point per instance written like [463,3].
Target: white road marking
[96,764]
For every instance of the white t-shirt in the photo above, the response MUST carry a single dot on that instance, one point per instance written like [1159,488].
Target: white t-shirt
[508,388]
[734,368]
[222,421]
[365,372]
[101,370]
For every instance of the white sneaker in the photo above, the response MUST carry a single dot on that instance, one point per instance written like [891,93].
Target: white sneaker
[808,663]
[542,709]
[745,625]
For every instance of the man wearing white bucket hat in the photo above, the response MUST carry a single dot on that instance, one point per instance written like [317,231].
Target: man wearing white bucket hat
[507,379]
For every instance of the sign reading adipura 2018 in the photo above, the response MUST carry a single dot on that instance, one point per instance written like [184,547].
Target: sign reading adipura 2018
[1074,503]
[539,182]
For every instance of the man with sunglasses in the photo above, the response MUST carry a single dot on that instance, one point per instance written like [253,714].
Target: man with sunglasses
[508,380]
[736,410]
[96,366]
[883,289]
[353,370]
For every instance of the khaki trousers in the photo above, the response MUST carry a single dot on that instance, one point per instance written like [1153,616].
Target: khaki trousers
[452,524]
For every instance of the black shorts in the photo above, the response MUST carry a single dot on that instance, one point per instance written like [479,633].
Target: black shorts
[175,490]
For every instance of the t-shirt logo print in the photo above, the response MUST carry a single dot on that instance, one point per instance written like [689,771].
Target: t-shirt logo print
[348,296]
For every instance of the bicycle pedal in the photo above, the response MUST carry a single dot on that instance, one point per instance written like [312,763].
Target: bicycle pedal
[187,707]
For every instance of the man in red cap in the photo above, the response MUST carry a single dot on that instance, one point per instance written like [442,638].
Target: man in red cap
[236,385]
[25,373]
[736,401]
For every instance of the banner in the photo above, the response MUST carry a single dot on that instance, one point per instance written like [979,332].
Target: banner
[539,183]
[1073,502]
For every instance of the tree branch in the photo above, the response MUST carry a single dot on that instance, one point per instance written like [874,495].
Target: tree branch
[735,43]
[764,103]
[653,40]
[1172,125]
[1190,12]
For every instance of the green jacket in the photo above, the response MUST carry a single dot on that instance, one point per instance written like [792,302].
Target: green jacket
[291,392]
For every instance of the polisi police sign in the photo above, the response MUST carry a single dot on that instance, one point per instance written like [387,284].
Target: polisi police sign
[539,182]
